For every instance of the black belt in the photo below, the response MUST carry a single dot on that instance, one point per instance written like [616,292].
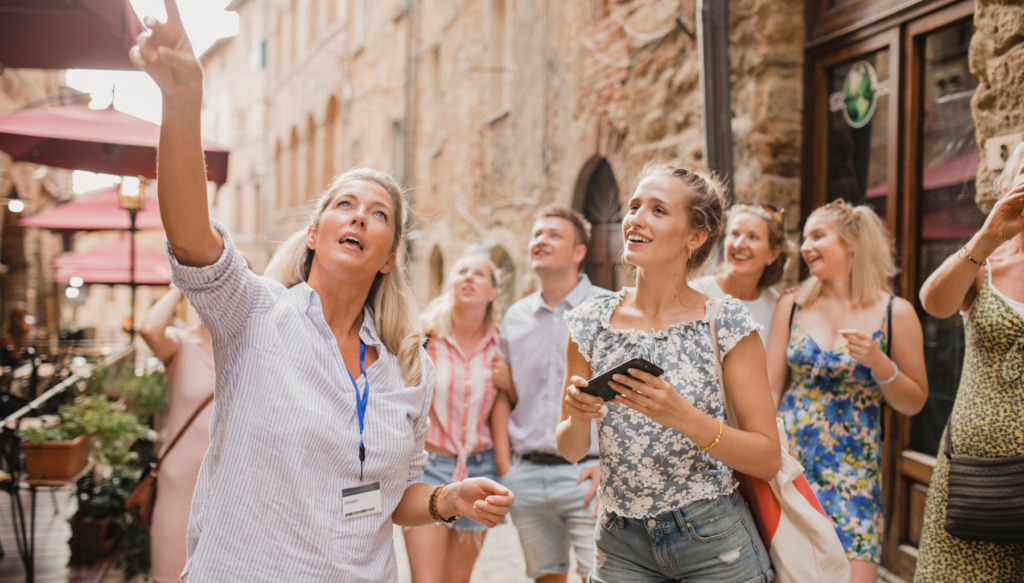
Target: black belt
[550,459]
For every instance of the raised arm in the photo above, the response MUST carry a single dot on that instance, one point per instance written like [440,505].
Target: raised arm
[955,284]
[153,327]
[165,53]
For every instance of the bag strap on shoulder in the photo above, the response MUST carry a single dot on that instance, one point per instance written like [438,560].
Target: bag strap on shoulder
[185,428]
[713,310]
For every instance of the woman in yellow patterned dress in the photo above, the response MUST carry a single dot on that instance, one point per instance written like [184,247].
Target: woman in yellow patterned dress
[985,280]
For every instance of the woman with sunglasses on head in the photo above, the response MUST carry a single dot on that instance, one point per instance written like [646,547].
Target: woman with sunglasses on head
[756,254]
[323,390]
[985,282]
[462,342]
[669,505]
[832,362]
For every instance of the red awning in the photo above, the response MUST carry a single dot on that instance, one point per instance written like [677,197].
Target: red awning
[949,173]
[98,140]
[97,211]
[67,34]
[109,263]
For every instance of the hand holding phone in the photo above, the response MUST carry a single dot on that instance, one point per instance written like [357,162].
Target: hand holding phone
[598,385]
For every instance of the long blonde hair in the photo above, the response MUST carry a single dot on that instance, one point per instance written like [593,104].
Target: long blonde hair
[872,266]
[437,317]
[1010,171]
[390,300]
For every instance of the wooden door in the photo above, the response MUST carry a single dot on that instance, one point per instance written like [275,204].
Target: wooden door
[911,155]
[939,215]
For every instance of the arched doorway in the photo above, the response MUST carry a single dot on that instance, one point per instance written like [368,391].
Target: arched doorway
[598,200]
[436,272]
[507,281]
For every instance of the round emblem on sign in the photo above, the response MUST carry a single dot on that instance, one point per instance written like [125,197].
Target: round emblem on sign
[859,94]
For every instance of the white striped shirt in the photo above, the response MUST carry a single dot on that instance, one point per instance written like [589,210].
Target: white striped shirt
[464,395]
[284,436]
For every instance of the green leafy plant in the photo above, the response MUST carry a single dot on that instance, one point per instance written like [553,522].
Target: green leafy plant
[145,395]
[113,428]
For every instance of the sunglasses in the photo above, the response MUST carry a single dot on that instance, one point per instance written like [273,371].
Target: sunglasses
[777,210]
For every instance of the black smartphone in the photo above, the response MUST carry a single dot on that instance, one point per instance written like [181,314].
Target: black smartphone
[598,385]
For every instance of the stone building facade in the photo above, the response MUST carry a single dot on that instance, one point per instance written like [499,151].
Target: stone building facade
[486,110]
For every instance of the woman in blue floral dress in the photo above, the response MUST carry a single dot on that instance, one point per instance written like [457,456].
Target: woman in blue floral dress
[669,506]
[830,340]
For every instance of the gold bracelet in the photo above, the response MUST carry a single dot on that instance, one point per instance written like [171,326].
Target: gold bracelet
[717,437]
[433,507]
[964,254]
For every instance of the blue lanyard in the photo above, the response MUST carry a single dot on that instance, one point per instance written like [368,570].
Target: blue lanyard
[361,402]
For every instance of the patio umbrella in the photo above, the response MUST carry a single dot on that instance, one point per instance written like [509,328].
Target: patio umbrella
[96,211]
[98,140]
[110,263]
[67,34]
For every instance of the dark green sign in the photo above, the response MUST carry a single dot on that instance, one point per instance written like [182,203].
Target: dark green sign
[859,94]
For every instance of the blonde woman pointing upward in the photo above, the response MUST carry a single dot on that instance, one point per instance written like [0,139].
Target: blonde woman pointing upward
[323,390]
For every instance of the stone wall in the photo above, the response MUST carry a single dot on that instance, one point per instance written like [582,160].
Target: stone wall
[487,142]
[997,59]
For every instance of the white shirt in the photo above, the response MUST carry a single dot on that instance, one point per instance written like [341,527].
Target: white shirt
[533,338]
[762,309]
[284,436]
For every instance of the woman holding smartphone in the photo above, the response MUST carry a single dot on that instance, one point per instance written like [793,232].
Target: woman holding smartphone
[669,505]
[323,390]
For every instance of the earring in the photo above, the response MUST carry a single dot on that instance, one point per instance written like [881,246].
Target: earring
[689,254]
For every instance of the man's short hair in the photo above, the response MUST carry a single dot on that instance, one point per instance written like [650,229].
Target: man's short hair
[559,211]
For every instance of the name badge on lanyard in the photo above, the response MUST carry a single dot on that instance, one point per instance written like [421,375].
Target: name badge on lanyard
[364,499]
[361,402]
[361,500]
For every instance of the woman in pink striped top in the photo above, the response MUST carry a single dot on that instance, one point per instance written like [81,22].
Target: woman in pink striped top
[463,343]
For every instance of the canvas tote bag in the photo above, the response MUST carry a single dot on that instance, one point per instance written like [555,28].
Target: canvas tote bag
[141,501]
[799,536]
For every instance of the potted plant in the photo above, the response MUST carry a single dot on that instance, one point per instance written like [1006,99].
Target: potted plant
[100,519]
[56,450]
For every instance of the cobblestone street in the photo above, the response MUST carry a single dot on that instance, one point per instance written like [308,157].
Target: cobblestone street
[501,560]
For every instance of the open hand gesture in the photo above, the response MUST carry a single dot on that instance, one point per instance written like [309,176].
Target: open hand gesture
[165,53]
[482,500]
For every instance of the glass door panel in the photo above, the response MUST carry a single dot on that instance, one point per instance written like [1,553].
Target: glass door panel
[858,131]
[947,214]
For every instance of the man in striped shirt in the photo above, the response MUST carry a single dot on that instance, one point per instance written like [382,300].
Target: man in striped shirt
[553,510]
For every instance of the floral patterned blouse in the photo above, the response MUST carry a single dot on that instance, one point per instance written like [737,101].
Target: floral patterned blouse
[648,469]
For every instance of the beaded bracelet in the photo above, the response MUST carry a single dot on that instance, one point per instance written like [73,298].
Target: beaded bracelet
[433,507]
[717,437]
[964,254]
[896,371]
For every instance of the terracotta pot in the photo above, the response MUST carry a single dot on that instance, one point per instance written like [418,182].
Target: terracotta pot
[89,537]
[56,460]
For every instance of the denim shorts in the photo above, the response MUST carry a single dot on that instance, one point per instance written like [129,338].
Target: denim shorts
[439,469]
[706,541]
